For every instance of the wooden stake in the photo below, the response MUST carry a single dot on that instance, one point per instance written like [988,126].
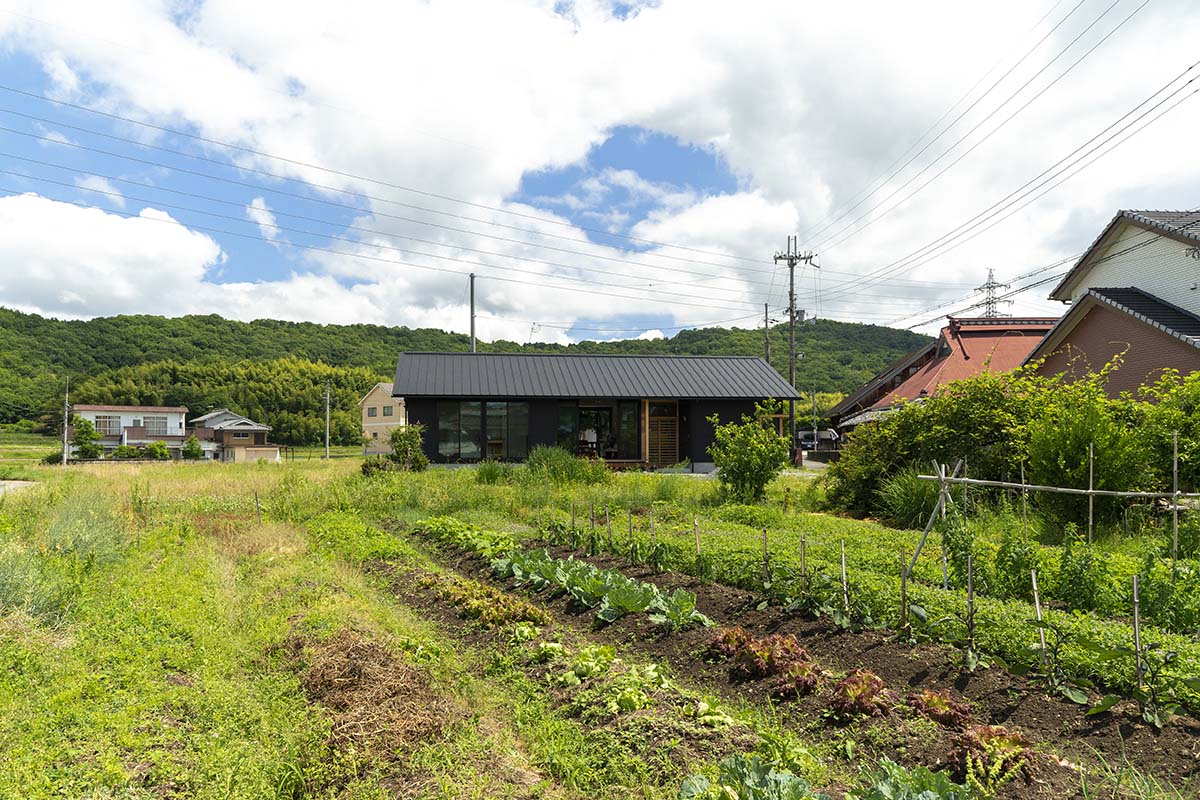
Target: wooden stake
[1037,607]
[1174,499]
[845,583]
[971,599]
[903,590]
[1137,632]
[803,562]
[945,573]
[1091,497]
[652,526]
[630,512]
[572,515]
[1024,502]
[608,524]
[257,508]
[766,563]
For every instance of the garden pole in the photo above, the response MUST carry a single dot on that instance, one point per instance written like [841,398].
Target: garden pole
[803,562]
[1174,500]
[971,599]
[572,514]
[1024,502]
[257,507]
[696,531]
[903,591]
[1137,633]
[938,508]
[1037,607]
[652,526]
[608,524]
[630,512]
[945,574]
[1091,497]
[766,563]
[845,584]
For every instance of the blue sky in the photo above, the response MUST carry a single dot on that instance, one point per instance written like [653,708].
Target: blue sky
[456,137]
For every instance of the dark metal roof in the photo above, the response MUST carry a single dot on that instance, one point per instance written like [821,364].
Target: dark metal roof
[1181,225]
[558,375]
[1167,317]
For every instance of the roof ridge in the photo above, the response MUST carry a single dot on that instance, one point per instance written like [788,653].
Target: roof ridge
[575,355]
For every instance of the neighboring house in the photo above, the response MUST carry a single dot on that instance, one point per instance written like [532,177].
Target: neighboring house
[226,436]
[964,347]
[135,425]
[381,413]
[1134,292]
[634,410]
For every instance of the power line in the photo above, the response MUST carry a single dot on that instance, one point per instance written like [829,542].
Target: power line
[354,176]
[829,242]
[365,257]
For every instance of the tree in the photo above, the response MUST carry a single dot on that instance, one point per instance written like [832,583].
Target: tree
[407,452]
[85,441]
[157,451]
[191,450]
[748,455]
[126,451]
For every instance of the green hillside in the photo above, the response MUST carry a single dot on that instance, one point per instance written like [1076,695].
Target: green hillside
[275,371]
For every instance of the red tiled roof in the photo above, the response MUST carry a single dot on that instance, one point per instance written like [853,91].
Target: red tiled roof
[976,345]
[130,409]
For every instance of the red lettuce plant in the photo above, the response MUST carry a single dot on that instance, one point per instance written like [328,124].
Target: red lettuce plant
[940,707]
[859,694]
[798,678]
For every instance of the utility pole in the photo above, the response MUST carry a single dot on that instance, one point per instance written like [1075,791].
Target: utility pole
[326,420]
[990,301]
[767,332]
[792,257]
[66,421]
[816,441]
[472,280]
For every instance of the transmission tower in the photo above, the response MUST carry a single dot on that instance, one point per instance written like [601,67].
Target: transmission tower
[990,301]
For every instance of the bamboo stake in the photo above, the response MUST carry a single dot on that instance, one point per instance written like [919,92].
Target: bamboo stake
[257,507]
[1024,502]
[803,562]
[1091,497]
[652,526]
[945,573]
[1137,632]
[696,531]
[766,563]
[903,591]
[845,583]
[971,599]
[572,515]
[1037,607]
[630,512]
[608,524]
[1174,500]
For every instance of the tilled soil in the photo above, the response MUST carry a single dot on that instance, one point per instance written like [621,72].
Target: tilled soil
[1066,739]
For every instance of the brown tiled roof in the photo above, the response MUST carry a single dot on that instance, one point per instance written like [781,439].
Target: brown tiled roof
[131,409]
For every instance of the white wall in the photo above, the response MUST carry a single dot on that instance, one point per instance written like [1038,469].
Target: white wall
[1160,267]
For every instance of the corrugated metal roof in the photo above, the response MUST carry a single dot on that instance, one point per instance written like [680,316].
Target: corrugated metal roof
[559,375]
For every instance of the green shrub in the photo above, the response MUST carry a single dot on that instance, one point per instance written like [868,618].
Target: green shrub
[906,500]
[753,516]
[85,440]
[156,451]
[749,454]
[895,782]
[1017,556]
[126,451]
[352,538]
[378,466]
[191,450]
[1082,573]
[492,472]
[556,465]
[408,452]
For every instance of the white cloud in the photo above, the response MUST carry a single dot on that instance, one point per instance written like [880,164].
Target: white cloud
[106,191]
[806,105]
[260,214]
[652,334]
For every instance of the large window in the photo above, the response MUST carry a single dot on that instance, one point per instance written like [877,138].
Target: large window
[108,425]
[611,429]
[470,430]
[155,426]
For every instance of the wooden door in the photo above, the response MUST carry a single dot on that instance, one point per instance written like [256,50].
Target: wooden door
[662,433]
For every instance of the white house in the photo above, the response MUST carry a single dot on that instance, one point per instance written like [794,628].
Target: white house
[226,436]
[136,425]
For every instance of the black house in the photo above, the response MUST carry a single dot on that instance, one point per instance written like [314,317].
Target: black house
[648,410]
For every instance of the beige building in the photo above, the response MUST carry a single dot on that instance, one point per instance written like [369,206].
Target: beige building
[380,414]
[226,436]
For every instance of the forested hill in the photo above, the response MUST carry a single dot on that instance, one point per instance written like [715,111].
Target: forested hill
[269,368]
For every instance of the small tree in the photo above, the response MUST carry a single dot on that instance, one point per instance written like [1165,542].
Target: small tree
[85,441]
[126,451]
[191,450]
[750,454]
[157,451]
[406,443]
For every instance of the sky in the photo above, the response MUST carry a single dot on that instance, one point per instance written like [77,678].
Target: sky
[607,170]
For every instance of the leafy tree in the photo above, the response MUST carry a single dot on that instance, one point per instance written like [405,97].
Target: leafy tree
[157,451]
[191,450]
[85,441]
[126,451]
[407,453]
[749,454]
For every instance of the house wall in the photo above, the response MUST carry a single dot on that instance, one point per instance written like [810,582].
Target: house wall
[423,411]
[1159,266]
[696,432]
[1102,333]
[378,428]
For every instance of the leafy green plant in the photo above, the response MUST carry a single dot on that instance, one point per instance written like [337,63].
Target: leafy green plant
[749,454]
[1082,572]
[1052,674]
[632,690]
[523,632]
[770,655]
[547,464]
[125,452]
[191,450]
[156,451]
[940,707]
[85,439]
[677,611]
[626,596]
[547,652]
[746,777]
[407,446]
[907,500]
[990,756]
[491,472]
[895,782]
[859,694]
[1017,556]
[710,715]
[589,662]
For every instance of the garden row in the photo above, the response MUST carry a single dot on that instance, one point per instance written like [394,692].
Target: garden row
[1080,650]
[602,688]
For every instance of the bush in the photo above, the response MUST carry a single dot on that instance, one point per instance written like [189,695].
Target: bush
[126,451]
[492,472]
[53,458]
[156,451]
[191,450]
[85,440]
[1017,557]
[556,465]
[378,466]
[1082,573]
[749,454]
[906,500]
[407,443]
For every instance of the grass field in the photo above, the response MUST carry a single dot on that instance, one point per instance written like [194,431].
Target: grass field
[263,631]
